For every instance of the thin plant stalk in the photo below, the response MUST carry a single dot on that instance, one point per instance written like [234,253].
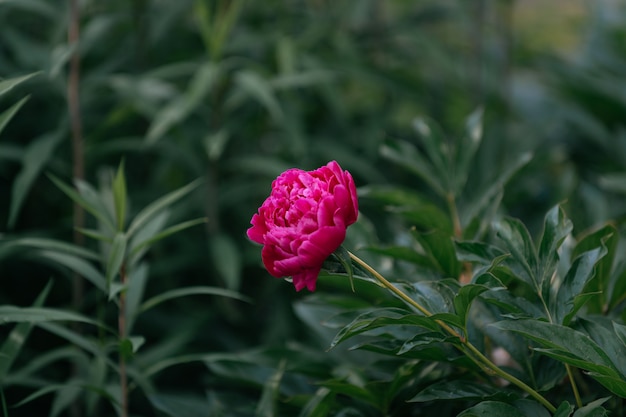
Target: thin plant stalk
[121,322]
[468,349]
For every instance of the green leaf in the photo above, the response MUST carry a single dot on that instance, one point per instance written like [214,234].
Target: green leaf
[96,200]
[154,208]
[117,253]
[435,146]
[593,409]
[556,229]
[342,254]
[492,409]
[406,155]
[96,210]
[14,314]
[464,298]
[76,264]
[143,244]
[253,85]
[562,301]
[319,405]
[461,390]
[477,252]
[606,236]
[519,243]
[380,318]
[14,342]
[35,158]
[466,149]
[12,245]
[120,197]
[8,85]
[564,343]
[137,279]
[181,107]
[183,292]
[267,405]
[564,410]
[439,248]
[226,259]
[8,114]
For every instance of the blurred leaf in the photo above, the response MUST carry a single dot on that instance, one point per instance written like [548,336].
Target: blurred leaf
[178,405]
[319,405]
[65,397]
[226,259]
[96,201]
[10,245]
[407,156]
[182,292]
[614,182]
[466,149]
[117,254]
[13,314]
[120,197]
[8,114]
[179,109]
[9,84]
[97,210]
[153,209]
[15,340]
[436,147]
[137,279]
[35,158]
[491,195]
[267,404]
[252,84]
[76,264]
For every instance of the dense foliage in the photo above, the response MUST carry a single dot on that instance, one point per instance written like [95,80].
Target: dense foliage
[138,138]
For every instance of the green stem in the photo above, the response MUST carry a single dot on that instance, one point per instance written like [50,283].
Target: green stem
[572,382]
[469,350]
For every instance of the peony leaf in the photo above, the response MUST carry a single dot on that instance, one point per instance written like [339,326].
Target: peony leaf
[497,408]
[461,390]
[556,228]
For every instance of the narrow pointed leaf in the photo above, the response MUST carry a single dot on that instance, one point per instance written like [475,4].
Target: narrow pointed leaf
[14,342]
[117,254]
[35,158]
[153,209]
[406,155]
[556,229]
[492,408]
[85,203]
[8,114]
[580,273]
[519,243]
[183,292]
[8,85]
[120,197]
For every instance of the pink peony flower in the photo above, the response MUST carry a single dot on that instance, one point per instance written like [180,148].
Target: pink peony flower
[304,220]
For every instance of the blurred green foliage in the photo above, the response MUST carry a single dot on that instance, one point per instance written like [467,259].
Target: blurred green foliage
[233,92]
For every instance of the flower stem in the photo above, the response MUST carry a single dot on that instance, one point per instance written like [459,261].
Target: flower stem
[468,349]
